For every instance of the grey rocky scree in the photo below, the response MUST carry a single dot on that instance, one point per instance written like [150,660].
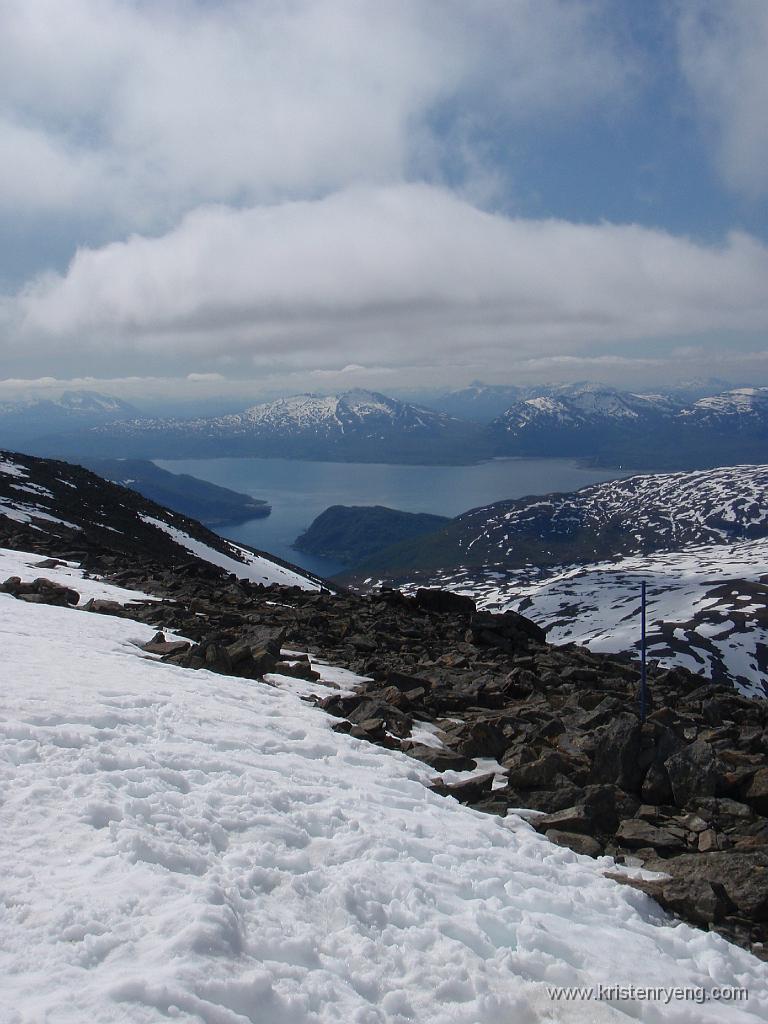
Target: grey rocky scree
[685,792]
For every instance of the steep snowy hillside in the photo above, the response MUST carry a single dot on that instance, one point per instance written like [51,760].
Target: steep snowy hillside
[635,515]
[356,424]
[57,508]
[188,846]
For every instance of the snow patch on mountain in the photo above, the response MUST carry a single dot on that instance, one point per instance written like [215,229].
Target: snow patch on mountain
[243,563]
[10,468]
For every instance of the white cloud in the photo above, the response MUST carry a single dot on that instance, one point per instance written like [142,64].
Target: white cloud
[724,57]
[137,112]
[387,275]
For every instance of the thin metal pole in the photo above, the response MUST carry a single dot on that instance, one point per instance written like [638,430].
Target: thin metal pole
[643,672]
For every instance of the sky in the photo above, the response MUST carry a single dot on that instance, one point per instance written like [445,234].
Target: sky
[203,197]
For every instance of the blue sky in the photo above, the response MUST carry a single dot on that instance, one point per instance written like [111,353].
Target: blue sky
[289,194]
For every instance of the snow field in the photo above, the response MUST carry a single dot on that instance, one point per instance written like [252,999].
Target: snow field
[182,845]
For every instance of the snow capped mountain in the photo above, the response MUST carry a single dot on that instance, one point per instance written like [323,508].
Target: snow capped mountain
[70,404]
[56,507]
[734,409]
[577,410]
[24,423]
[623,428]
[366,413]
[640,513]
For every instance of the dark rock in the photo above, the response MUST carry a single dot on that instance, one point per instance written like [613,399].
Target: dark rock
[407,682]
[439,759]
[656,788]
[296,670]
[756,794]
[101,607]
[693,772]
[477,737]
[159,645]
[635,834]
[743,876]
[543,771]
[468,792]
[617,753]
[444,601]
[396,721]
[575,841]
[570,819]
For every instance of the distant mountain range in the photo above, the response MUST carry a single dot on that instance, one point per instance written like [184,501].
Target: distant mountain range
[674,429]
[354,426]
[638,430]
[25,419]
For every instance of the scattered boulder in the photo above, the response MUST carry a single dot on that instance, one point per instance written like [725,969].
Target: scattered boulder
[693,772]
[470,791]
[575,841]
[636,834]
[438,758]
[617,754]
[756,794]
[444,601]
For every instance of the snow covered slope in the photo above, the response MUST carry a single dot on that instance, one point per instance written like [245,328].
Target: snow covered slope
[52,506]
[182,845]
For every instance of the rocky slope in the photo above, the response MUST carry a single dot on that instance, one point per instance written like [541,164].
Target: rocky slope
[506,720]
[707,606]
[575,562]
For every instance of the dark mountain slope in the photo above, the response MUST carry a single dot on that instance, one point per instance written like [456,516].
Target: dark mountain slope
[199,499]
[350,534]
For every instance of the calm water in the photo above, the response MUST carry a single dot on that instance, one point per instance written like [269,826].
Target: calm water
[300,491]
